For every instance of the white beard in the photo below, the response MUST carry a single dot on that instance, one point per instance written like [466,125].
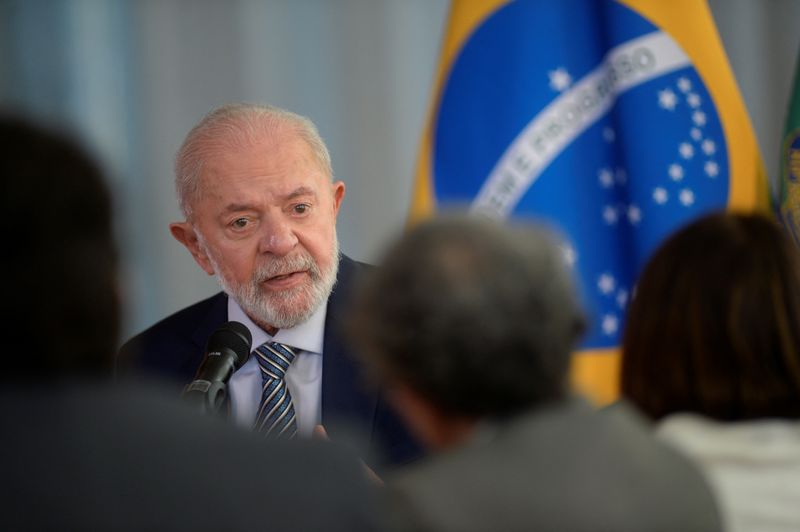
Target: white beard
[285,308]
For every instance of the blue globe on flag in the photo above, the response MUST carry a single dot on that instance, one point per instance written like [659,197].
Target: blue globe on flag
[606,132]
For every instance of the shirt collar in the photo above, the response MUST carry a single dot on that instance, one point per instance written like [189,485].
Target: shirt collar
[307,336]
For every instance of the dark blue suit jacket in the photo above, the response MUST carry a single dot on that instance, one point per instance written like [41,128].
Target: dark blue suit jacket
[173,349]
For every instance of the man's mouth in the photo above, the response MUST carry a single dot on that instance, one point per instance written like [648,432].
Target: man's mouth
[285,280]
[281,276]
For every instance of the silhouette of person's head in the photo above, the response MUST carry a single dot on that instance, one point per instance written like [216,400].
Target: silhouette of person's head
[59,267]
[714,326]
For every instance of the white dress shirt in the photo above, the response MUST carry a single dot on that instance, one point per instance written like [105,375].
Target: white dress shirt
[303,378]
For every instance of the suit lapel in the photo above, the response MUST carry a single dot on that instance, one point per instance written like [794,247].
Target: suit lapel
[217,315]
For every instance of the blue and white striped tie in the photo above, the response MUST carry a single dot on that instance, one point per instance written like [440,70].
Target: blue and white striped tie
[276,417]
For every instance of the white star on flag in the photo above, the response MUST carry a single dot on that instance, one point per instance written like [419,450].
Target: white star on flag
[569,254]
[610,215]
[684,84]
[622,298]
[610,324]
[699,118]
[560,79]
[675,172]
[711,168]
[667,99]
[686,150]
[708,147]
[606,178]
[693,100]
[686,197]
[660,195]
[634,214]
[696,134]
[606,283]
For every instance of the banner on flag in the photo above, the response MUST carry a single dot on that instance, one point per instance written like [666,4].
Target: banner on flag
[616,122]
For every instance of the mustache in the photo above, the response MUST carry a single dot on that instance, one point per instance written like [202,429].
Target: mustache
[284,265]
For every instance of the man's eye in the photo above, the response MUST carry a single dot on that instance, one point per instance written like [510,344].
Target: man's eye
[301,208]
[240,223]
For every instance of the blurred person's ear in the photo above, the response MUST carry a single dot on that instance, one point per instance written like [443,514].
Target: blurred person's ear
[435,428]
[185,233]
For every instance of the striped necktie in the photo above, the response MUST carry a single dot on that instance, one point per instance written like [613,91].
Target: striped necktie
[276,417]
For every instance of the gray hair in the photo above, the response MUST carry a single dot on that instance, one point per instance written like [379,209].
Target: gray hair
[477,317]
[234,126]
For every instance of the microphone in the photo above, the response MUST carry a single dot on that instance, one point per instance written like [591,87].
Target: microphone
[226,351]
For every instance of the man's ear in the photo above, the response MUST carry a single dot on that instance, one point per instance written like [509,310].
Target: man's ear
[185,233]
[338,196]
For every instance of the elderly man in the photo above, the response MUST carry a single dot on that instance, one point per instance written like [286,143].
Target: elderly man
[471,325]
[80,453]
[256,187]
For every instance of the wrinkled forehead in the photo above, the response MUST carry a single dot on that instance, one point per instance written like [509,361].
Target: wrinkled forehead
[286,162]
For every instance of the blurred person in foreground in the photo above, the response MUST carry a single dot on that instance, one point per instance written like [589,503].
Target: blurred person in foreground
[260,201]
[471,324]
[81,454]
[712,352]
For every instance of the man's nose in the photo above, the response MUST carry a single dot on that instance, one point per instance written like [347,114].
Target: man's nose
[278,238]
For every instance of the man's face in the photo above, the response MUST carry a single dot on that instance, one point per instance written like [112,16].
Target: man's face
[265,224]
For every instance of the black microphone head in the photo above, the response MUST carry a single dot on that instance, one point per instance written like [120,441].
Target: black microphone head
[234,336]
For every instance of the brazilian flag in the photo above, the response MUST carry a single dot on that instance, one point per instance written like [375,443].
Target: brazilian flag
[790,163]
[615,121]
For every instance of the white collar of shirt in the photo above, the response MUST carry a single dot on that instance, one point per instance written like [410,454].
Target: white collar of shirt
[307,336]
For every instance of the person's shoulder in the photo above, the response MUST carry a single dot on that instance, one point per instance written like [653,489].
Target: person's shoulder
[168,341]
[153,458]
[183,322]
[667,481]
[350,269]
[188,318]
[349,276]
[612,435]
[357,264]
[560,449]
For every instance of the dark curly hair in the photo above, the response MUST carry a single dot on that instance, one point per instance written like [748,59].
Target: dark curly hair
[478,318]
[714,327]
[59,265]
